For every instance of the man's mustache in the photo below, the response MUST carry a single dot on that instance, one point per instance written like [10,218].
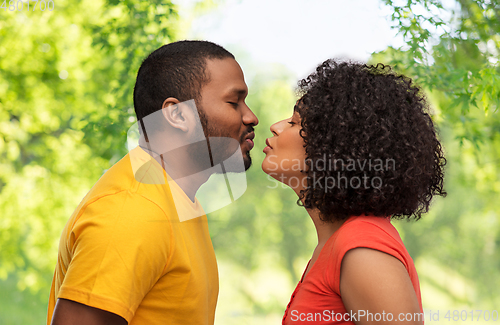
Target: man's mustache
[244,135]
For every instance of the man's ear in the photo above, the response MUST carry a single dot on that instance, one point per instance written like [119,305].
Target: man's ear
[177,114]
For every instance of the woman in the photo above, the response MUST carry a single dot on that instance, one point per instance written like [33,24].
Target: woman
[359,150]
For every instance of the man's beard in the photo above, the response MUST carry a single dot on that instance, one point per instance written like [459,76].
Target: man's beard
[220,144]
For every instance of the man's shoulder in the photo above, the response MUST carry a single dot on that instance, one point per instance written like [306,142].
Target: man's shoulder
[131,175]
[117,178]
[117,187]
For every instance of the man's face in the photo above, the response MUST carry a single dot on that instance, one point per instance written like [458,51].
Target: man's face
[223,111]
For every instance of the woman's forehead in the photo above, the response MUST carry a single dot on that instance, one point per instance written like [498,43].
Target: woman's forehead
[299,106]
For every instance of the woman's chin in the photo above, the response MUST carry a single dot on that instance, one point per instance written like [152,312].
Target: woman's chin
[294,182]
[266,168]
[271,173]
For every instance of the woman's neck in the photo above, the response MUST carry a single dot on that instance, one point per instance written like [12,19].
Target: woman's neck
[324,229]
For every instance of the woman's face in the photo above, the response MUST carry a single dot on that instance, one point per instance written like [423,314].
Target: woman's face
[285,153]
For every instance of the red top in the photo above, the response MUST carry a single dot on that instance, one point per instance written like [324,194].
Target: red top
[316,299]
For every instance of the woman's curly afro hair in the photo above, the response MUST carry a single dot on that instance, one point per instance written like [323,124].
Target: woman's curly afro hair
[370,143]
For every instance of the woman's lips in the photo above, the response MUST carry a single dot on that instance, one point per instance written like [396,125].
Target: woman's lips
[266,149]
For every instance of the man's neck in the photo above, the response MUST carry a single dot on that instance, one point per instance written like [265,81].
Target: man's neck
[182,171]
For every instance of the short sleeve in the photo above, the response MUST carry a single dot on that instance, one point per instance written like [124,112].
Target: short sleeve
[120,247]
[378,234]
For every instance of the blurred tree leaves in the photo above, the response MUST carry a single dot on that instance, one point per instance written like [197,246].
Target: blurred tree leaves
[269,218]
[66,81]
[264,229]
[452,51]
[125,34]
[457,56]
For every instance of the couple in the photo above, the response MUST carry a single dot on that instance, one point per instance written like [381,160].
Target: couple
[137,248]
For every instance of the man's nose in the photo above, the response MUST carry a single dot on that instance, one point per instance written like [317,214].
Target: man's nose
[249,118]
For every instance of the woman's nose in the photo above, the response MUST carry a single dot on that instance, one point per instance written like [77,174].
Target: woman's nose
[277,127]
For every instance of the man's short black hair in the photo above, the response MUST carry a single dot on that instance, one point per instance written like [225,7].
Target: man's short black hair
[174,70]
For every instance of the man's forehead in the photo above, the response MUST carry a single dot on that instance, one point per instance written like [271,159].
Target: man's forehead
[240,91]
[226,74]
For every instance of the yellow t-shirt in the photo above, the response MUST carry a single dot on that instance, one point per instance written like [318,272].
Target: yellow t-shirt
[125,250]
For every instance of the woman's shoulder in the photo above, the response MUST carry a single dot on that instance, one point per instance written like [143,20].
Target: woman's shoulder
[368,232]
[367,227]
[372,232]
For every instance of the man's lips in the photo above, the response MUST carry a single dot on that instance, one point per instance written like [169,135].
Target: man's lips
[249,140]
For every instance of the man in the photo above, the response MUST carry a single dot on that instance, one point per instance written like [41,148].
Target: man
[137,248]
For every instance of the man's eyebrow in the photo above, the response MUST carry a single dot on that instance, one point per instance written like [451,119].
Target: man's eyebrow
[238,91]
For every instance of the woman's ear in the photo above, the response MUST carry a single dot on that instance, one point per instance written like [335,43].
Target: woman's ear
[176,114]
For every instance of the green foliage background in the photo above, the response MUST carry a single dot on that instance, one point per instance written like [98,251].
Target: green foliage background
[66,80]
